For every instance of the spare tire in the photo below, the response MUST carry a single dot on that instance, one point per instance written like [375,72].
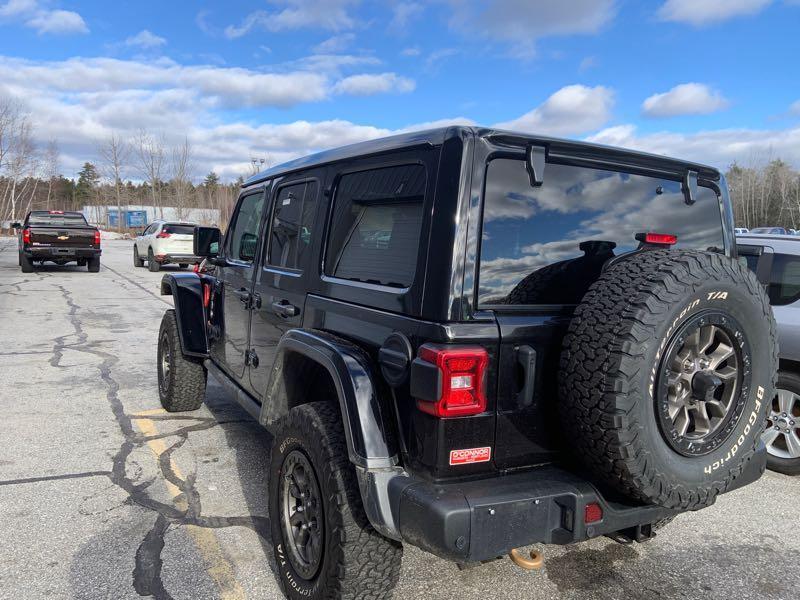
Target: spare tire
[666,374]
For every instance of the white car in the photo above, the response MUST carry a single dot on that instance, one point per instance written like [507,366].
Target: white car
[165,243]
[741,230]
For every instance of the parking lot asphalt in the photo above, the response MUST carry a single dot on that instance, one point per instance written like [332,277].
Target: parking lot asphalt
[103,495]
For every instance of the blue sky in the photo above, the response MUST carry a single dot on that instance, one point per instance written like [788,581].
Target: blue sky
[711,80]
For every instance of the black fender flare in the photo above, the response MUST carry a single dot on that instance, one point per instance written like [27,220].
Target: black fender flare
[187,296]
[370,439]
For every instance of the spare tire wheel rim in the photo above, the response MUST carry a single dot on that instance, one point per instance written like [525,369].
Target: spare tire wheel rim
[302,514]
[703,383]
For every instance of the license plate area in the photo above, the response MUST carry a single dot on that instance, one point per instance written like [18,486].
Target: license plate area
[63,251]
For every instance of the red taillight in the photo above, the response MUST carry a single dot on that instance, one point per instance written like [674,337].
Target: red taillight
[661,239]
[97,238]
[163,235]
[26,236]
[206,294]
[462,375]
[196,268]
[56,212]
[592,513]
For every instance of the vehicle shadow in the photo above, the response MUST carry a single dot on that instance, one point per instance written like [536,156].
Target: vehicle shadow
[250,443]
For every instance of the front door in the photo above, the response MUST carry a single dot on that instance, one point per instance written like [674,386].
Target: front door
[236,280]
[281,280]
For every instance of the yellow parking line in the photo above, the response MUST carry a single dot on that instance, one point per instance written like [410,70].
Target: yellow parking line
[218,566]
[149,413]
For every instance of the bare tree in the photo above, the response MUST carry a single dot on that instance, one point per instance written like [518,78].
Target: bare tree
[19,162]
[150,157]
[114,153]
[52,158]
[181,171]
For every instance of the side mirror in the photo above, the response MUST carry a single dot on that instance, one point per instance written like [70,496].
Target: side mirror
[247,247]
[16,225]
[206,241]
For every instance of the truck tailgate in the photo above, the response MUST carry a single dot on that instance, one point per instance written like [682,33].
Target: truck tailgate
[62,237]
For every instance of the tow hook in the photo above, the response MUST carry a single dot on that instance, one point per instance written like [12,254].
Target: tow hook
[534,563]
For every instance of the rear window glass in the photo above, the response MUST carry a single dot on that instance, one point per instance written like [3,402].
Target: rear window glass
[547,245]
[179,229]
[376,224]
[56,220]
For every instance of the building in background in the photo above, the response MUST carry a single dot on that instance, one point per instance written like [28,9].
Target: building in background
[137,217]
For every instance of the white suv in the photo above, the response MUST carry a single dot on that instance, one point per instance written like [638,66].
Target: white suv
[162,243]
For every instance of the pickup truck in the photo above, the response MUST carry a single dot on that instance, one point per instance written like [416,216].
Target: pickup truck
[59,237]
[471,341]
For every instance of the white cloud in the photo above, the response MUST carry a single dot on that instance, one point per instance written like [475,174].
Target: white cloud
[572,110]
[522,22]
[297,14]
[403,13]
[58,21]
[334,44]
[795,108]
[719,148]
[370,84]
[43,20]
[410,51]
[705,12]
[684,99]
[145,39]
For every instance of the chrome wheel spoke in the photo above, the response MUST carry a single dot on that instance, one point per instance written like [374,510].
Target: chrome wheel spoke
[682,421]
[726,373]
[716,409]
[769,436]
[702,422]
[792,444]
[707,335]
[786,400]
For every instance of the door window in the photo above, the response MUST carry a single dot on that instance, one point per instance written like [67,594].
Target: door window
[292,225]
[784,281]
[376,225]
[242,238]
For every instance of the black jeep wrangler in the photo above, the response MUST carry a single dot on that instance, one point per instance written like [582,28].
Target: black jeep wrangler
[472,340]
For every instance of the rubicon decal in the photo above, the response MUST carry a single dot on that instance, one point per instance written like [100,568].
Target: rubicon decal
[470,455]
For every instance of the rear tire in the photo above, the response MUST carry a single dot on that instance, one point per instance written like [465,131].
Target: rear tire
[152,265]
[666,375]
[93,264]
[349,559]
[25,263]
[782,445]
[137,260]
[181,380]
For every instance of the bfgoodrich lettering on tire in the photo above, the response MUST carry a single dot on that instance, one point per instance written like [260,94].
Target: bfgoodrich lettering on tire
[666,375]
[324,546]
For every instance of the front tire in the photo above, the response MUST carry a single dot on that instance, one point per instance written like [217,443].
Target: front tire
[181,380]
[782,436]
[324,546]
[152,265]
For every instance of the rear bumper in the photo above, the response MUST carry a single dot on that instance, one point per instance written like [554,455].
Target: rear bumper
[484,519]
[177,258]
[55,252]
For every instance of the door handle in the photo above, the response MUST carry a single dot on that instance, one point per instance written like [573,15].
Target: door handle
[284,309]
[526,358]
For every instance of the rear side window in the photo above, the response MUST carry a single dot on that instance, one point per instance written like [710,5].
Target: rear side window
[784,281]
[179,229]
[376,225]
[548,244]
[292,225]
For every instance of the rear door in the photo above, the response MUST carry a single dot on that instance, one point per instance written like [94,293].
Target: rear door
[280,288]
[235,278]
[541,248]
[179,238]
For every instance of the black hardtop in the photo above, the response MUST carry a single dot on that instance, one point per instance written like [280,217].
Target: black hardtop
[434,137]
[72,213]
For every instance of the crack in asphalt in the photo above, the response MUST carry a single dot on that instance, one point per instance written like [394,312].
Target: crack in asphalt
[146,574]
[55,477]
